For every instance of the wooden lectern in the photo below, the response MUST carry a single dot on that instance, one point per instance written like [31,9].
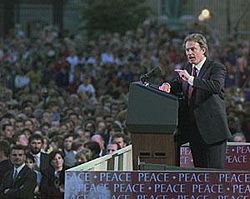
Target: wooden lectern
[152,120]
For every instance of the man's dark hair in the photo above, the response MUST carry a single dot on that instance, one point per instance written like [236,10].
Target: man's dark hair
[119,135]
[35,136]
[68,135]
[5,125]
[18,147]
[25,131]
[73,113]
[199,38]
[31,157]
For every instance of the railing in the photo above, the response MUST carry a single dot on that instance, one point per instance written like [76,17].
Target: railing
[120,160]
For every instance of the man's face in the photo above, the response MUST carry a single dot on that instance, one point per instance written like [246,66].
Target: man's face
[36,146]
[28,125]
[101,126]
[17,157]
[74,118]
[46,117]
[68,143]
[120,142]
[194,52]
[9,131]
[112,148]
[28,110]
[109,121]
[55,125]
[19,126]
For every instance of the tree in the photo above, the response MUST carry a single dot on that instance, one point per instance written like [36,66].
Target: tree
[102,16]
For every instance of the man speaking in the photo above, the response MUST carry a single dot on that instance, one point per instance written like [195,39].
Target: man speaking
[202,113]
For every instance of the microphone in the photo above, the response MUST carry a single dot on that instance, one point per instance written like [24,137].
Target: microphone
[150,73]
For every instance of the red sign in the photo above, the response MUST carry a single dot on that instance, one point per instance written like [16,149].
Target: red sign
[237,157]
[157,185]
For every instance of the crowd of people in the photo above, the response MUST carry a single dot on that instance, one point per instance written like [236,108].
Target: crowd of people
[64,98]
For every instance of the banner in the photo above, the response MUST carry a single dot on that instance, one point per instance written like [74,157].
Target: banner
[157,185]
[237,157]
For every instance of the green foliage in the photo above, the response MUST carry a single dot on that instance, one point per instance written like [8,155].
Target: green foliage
[102,16]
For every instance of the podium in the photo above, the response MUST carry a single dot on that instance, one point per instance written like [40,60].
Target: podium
[152,119]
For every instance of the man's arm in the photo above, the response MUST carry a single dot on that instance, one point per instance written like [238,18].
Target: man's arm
[25,189]
[215,83]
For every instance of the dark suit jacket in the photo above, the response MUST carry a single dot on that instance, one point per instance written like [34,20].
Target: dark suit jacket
[5,166]
[206,108]
[44,163]
[22,188]
[50,185]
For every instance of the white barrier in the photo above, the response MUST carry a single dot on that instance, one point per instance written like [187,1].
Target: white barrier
[120,160]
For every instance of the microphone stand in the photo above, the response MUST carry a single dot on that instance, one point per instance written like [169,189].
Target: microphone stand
[144,78]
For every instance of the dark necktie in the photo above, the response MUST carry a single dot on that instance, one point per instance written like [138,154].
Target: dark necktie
[190,87]
[15,174]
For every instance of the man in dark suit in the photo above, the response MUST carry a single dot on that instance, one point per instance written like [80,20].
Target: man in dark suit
[202,113]
[41,159]
[20,181]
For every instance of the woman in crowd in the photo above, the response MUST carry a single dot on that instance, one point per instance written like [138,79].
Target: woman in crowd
[52,185]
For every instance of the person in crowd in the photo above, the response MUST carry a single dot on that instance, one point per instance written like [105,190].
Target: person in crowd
[29,124]
[109,120]
[46,145]
[19,125]
[8,132]
[27,132]
[56,142]
[30,162]
[203,121]
[89,129]
[21,138]
[5,163]
[238,137]
[78,145]
[112,147]
[94,148]
[99,139]
[69,159]
[20,181]
[86,89]
[41,159]
[74,118]
[52,184]
[120,139]
[83,156]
